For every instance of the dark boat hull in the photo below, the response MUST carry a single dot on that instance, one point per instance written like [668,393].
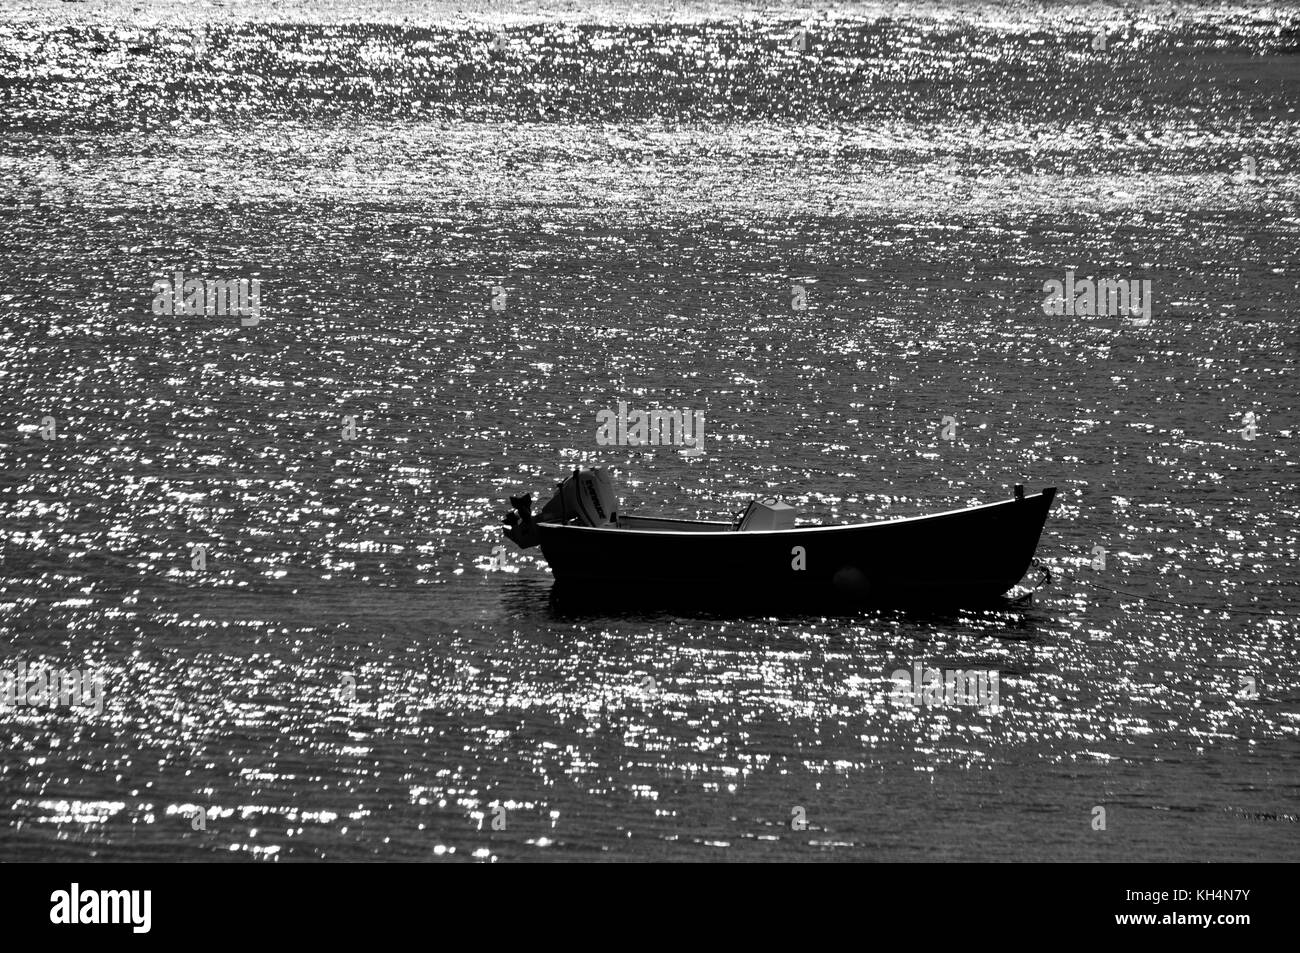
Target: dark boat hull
[968,556]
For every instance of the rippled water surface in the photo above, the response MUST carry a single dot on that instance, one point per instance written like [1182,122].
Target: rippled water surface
[646,185]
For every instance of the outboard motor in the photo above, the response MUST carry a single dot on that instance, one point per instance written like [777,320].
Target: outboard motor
[586,498]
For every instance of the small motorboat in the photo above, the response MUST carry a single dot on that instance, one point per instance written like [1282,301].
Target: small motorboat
[966,556]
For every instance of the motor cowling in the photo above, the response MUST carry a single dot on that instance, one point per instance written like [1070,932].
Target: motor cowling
[585,498]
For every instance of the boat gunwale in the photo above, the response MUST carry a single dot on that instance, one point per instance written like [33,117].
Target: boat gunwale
[664,519]
[1046,492]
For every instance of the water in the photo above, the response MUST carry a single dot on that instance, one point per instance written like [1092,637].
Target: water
[647,186]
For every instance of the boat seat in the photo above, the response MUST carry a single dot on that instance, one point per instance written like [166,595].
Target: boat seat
[766,515]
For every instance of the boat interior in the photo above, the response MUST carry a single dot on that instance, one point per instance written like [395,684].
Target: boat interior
[679,526]
[587,498]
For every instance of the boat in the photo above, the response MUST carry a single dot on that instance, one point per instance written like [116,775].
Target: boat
[967,556]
